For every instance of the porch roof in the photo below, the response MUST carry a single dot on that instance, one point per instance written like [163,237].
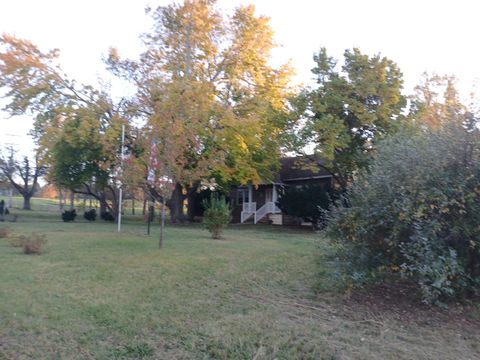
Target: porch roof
[298,168]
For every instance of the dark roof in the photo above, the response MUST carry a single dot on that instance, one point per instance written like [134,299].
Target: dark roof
[300,168]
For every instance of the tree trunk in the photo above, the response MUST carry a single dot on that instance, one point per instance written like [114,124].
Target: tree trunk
[115,204]
[162,226]
[72,200]
[192,200]
[176,205]
[133,206]
[2,210]
[26,202]
[60,199]
[10,198]
[103,204]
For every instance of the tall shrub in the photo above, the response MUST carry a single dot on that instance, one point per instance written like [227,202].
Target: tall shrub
[217,215]
[417,212]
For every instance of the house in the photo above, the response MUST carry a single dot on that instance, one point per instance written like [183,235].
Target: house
[258,203]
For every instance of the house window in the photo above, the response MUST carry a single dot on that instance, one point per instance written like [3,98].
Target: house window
[242,196]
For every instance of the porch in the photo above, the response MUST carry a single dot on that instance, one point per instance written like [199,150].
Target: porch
[257,203]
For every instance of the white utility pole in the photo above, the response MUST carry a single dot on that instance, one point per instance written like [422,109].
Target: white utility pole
[119,228]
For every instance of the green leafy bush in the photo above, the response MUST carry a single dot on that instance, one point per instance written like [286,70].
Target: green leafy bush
[107,216]
[69,215]
[416,212]
[217,215]
[90,215]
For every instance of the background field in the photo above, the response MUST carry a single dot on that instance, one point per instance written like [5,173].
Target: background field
[261,293]
[52,205]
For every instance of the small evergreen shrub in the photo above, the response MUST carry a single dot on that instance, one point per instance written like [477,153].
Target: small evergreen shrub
[69,215]
[7,212]
[90,215]
[217,215]
[107,216]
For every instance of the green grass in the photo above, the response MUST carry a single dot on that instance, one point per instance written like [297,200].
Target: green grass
[96,294]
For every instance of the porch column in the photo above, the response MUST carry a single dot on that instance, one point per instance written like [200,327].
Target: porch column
[274,193]
[250,194]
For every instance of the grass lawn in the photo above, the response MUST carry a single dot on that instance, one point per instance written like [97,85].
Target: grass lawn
[258,294]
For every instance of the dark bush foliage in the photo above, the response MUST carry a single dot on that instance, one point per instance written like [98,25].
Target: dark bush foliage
[308,202]
[417,212]
[90,215]
[107,216]
[69,215]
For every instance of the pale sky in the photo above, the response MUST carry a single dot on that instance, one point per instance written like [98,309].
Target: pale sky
[419,35]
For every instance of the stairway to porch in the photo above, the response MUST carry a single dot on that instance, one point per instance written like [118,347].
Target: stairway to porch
[250,210]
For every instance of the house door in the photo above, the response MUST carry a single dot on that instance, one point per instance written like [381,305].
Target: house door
[268,195]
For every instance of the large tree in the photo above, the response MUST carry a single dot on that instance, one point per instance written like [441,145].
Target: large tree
[350,109]
[211,101]
[436,102]
[83,150]
[23,174]
[77,127]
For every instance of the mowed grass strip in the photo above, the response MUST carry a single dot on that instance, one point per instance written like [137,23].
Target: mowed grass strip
[97,294]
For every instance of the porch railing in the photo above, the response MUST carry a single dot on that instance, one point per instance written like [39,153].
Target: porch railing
[268,208]
[248,209]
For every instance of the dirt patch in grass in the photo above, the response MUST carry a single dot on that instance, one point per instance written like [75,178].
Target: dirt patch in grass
[385,322]
[400,301]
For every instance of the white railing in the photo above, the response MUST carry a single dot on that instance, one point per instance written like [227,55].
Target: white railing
[249,206]
[268,208]
[248,209]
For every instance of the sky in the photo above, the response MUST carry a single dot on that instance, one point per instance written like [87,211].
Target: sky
[419,35]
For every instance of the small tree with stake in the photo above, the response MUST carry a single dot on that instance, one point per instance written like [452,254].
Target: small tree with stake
[164,188]
[159,184]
